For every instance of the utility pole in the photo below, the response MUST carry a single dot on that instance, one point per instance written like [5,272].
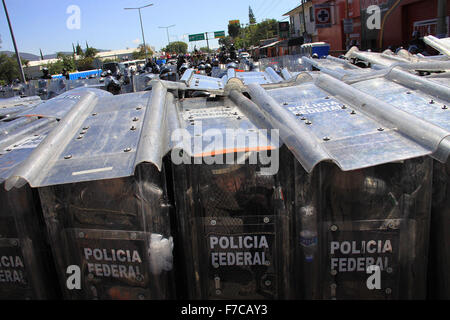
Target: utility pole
[142,28]
[207,42]
[167,29]
[441,21]
[22,75]
[304,19]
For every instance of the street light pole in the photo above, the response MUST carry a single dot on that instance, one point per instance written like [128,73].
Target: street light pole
[142,28]
[22,75]
[167,30]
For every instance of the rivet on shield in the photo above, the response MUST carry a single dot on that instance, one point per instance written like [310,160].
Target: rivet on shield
[239,118]
[285,103]
[14,243]
[8,149]
[213,222]
[408,92]
[141,297]
[268,283]
[333,228]
[81,235]
[308,122]
[90,276]
[127,150]
[388,290]
[135,119]
[216,265]
[431,101]
[444,107]
[266,220]
[139,278]
[79,137]
[267,263]
[344,107]
[133,236]
[133,128]
[94,114]
[68,156]
[333,286]
[333,272]
[380,129]
[138,108]
[218,292]
[326,139]
[353,112]
[389,270]
[327,97]
[303,118]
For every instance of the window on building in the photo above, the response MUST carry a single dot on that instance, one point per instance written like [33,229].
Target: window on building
[311,14]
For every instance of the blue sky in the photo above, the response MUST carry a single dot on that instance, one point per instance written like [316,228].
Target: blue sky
[106,25]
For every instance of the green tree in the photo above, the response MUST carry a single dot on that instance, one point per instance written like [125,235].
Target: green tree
[225,41]
[140,53]
[178,47]
[90,53]
[234,29]
[86,63]
[79,50]
[9,70]
[55,67]
[64,61]
[251,16]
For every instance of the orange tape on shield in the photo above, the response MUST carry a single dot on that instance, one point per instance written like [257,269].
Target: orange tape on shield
[233,150]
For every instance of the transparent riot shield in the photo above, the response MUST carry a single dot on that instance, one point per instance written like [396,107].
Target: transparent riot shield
[362,234]
[439,280]
[117,232]
[26,266]
[234,230]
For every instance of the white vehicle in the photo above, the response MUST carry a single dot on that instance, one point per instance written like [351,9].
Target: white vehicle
[132,65]
[245,55]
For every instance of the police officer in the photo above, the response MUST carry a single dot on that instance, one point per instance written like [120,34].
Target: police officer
[208,69]
[233,55]
[65,74]
[46,75]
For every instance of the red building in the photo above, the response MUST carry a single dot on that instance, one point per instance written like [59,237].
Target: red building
[398,19]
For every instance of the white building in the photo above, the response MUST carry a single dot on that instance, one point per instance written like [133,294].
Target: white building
[300,20]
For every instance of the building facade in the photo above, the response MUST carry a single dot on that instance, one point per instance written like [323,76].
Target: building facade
[372,24]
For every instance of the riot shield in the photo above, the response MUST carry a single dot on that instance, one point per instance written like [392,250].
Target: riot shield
[363,234]
[439,281]
[26,265]
[117,232]
[371,208]
[234,231]
[106,213]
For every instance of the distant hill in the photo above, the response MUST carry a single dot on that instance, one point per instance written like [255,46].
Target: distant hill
[33,57]
[23,55]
